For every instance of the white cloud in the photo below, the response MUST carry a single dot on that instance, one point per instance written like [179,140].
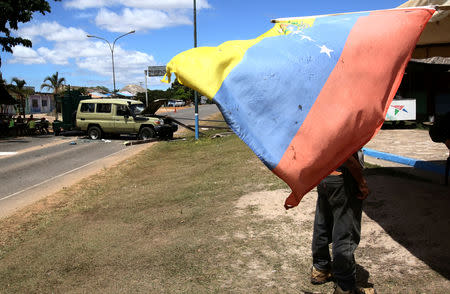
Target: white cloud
[52,31]
[71,47]
[26,55]
[165,4]
[139,20]
[84,4]
[129,65]
[153,4]
[125,15]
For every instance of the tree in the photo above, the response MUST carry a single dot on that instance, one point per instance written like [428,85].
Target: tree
[13,12]
[83,90]
[21,91]
[179,92]
[153,95]
[103,88]
[56,84]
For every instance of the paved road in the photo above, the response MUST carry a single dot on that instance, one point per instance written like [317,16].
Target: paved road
[186,115]
[40,166]
[32,166]
[44,164]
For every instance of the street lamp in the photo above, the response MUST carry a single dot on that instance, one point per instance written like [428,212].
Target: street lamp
[195,92]
[112,52]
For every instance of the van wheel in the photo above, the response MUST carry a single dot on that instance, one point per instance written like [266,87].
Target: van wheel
[146,133]
[94,133]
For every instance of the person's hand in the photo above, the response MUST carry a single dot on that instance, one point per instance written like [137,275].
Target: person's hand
[363,190]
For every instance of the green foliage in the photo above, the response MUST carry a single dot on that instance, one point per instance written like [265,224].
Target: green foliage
[54,83]
[13,12]
[103,88]
[153,95]
[83,90]
[176,92]
[18,86]
[179,92]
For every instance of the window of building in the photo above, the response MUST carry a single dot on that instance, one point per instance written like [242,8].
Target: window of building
[34,103]
[87,107]
[104,107]
[44,103]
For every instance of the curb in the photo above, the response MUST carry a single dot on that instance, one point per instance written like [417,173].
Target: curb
[131,143]
[422,169]
[416,163]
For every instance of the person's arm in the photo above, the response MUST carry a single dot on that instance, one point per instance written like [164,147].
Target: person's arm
[447,143]
[355,169]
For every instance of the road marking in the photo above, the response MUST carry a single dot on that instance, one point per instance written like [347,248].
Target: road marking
[7,153]
[33,148]
[58,176]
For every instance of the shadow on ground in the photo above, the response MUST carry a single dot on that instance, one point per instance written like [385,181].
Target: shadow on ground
[414,213]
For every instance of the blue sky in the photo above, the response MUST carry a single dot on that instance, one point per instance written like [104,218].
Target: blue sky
[164,28]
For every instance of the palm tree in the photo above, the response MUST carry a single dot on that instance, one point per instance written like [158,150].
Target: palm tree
[21,91]
[56,84]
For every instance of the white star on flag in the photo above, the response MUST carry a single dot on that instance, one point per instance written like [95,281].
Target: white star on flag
[325,49]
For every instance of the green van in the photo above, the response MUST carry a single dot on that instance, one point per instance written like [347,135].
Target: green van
[98,117]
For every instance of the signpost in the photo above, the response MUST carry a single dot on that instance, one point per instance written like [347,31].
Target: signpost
[156,71]
[404,109]
[153,71]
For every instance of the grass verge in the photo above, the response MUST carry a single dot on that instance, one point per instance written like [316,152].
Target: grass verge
[206,217]
[153,224]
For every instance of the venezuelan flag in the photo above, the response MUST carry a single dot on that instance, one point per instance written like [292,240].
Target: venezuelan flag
[311,91]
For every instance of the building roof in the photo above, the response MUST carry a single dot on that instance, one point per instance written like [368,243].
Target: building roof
[133,89]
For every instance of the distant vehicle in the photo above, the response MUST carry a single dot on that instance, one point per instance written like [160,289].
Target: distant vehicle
[98,117]
[176,103]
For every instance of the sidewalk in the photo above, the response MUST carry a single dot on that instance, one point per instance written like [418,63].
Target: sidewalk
[430,157]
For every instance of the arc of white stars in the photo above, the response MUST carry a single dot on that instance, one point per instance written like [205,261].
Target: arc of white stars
[326,50]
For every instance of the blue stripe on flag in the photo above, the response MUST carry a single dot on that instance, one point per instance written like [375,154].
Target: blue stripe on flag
[268,95]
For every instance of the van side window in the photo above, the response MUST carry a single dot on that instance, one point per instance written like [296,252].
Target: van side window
[104,107]
[87,107]
[122,110]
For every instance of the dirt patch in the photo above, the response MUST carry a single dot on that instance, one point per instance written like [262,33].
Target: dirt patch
[404,243]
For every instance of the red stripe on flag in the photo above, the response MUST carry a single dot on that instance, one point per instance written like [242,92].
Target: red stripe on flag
[353,103]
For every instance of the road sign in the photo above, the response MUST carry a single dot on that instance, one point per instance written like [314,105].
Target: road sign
[156,71]
[404,109]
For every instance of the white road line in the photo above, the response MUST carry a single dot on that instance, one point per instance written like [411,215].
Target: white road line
[7,153]
[33,148]
[58,176]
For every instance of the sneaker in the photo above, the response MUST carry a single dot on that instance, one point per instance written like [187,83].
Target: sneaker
[319,277]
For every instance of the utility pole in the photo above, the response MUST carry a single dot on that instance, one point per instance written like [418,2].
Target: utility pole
[195,92]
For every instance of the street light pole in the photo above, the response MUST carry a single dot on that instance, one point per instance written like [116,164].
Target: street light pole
[195,92]
[112,53]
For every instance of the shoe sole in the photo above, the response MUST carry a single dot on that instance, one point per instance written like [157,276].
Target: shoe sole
[317,282]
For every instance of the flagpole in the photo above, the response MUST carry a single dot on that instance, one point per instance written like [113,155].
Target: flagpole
[195,92]
[286,19]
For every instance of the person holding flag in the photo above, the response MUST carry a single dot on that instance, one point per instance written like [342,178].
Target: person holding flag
[347,67]
[338,221]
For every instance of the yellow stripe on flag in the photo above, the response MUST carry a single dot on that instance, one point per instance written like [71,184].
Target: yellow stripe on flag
[205,68]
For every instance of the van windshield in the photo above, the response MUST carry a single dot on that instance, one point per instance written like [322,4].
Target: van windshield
[137,108]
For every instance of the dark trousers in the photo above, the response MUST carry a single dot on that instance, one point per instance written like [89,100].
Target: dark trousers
[337,221]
